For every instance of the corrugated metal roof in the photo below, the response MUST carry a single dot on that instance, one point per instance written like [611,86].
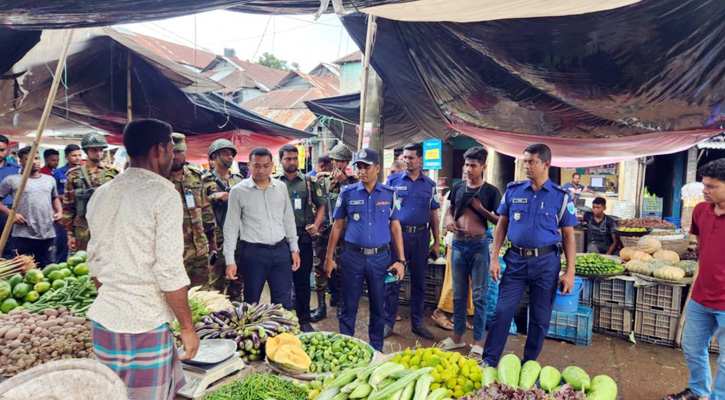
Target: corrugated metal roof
[355,56]
[329,85]
[269,77]
[296,118]
[173,51]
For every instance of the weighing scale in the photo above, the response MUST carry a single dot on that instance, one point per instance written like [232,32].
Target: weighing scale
[200,376]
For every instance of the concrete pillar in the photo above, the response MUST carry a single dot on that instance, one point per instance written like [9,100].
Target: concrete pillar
[374,114]
[691,171]
[631,180]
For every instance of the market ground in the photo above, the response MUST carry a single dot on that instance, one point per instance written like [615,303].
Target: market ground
[643,371]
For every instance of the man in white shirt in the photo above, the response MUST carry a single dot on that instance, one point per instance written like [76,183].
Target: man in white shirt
[135,258]
[260,210]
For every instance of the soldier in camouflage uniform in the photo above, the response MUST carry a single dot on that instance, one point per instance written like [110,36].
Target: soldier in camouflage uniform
[330,184]
[80,184]
[198,217]
[217,183]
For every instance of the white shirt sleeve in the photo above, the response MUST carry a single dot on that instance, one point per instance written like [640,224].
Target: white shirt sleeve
[232,224]
[169,244]
[290,228]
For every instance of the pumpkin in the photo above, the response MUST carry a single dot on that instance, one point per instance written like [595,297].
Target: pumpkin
[668,255]
[635,266]
[274,343]
[649,245]
[640,255]
[626,253]
[290,358]
[688,266]
[669,273]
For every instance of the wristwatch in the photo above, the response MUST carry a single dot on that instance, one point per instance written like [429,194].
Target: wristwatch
[404,262]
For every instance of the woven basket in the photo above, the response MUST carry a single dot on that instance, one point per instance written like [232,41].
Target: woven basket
[629,241]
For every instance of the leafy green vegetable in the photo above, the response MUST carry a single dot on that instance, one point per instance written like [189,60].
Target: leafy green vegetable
[259,387]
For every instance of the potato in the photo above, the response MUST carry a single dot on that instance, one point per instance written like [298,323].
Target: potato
[12,333]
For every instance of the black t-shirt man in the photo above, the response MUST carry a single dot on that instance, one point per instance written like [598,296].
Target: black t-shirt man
[599,234]
[461,196]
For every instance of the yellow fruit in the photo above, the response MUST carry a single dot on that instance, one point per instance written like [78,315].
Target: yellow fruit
[477,385]
[460,381]
[434,386]
[461,362]
[454,358]
[458,393]
[415,361]
[405,360]
[434,361]
[471,363]
[436,376]
[476,369]
[437,351]
[475,376]
[446,375]
[407,351]
[419,352]
[468,386]
[465,371]
[397,358]
[313,394]
[440,368]
[450,393]
[428,354]
[451,383]
[445,363]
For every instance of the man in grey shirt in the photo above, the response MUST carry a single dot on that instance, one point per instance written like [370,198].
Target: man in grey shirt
[260,210]
[33,232]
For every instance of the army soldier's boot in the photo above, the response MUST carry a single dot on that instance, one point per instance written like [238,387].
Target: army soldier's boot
[319,313]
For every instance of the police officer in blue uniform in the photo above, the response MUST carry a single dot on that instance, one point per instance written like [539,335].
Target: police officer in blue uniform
[73,158]
[418,218]
[531,213]
[371,210]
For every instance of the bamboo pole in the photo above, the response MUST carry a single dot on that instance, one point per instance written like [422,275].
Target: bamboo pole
[372,27]
[129,104]
[681,324]
[38,134]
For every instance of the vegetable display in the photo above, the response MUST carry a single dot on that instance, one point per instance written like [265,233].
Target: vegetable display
[452,371]
[649,245]
[689,266]
[77,295]
[27,340]
[18,265]
[259,387]
[285,351]
[595,264]
[249,325]
[381,382]
[212,300]
[498,391]
[331,352]
[645,223]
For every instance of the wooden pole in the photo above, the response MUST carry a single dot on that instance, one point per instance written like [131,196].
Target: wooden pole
[681,325]
[38,134]
[372,27]
[129,104]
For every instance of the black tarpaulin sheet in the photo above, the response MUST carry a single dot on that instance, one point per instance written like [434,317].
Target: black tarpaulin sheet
[14,45]
[94,95]
[341,114]
[62,14]
[654,66]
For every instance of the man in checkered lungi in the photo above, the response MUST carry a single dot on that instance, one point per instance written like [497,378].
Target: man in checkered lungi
[135,258]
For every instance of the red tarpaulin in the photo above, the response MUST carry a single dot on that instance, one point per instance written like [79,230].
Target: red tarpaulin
[568,152]
[197,147]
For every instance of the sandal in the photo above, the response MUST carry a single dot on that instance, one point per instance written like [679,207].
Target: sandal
[449,344]
[686,394]
[476,353]
[442,322]
[469,326]
[398,318]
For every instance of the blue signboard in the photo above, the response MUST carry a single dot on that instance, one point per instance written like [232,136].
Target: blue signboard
[433,154]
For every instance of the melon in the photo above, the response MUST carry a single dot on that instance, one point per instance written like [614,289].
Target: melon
[668,255]
[649,245]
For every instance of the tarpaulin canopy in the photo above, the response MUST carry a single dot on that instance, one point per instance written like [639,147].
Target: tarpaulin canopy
[15,45]
[342,113]
[95,92]
[61,14]
[655,66]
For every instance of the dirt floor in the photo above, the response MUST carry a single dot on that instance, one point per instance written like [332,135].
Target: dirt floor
[643,371]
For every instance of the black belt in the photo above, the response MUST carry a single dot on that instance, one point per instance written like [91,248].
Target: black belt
[414,229]
[468,238]
[366,250]
[537,252]
[266,246]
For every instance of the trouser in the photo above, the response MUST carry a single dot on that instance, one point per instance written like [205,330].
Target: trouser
[196,266]
[217,275]
[701,324]
[61,244]
[469,265]
[301,279]
[38,248]
[415,246]
[82,235]
[541,275]
[270,264]
[371,269]
[321,280]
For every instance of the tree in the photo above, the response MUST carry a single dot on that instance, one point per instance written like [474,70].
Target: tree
[269,60]
[295,66]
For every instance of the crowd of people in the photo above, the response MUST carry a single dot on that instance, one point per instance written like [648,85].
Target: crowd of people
[163,225]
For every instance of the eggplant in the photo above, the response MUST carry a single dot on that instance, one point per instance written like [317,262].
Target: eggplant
[255,340]
[248,345]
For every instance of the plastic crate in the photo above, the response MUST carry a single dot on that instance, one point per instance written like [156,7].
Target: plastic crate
[652,214]
[662,298]
[575,327]
[652,204]
[714,347]
[614,293]
[654,327]
[612,321]
[585,296]
[404,294]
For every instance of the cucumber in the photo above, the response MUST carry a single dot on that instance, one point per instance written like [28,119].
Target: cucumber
[345,378]
[399,384]
[328,394]
[383,371]
[408,391]
[361,391]
[438,394]
[422,386]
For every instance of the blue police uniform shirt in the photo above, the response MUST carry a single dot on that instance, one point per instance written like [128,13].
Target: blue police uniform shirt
[60,178]
[536,216]
[368,214]
[417,197]
[9,168]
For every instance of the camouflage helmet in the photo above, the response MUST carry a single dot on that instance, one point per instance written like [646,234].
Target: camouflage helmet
[341,152]
[93,139]
[222,144]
